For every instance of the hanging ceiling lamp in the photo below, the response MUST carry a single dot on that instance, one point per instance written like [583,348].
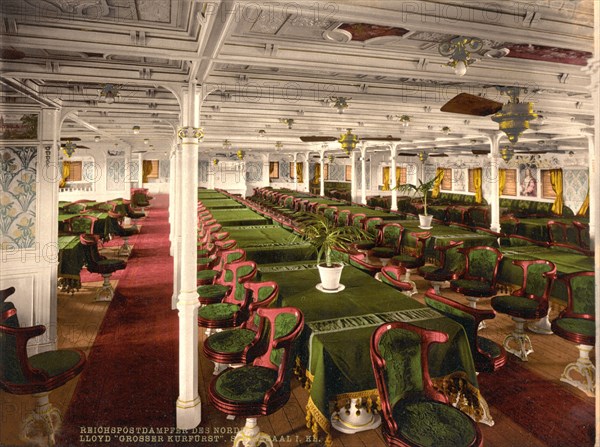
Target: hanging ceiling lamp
[339,102]
[348,141]
[513,119]
[507,153]
[97,139]
[69,148]
[288,121]
[227,145]
[278,145]
[136,129]
[423,156]
[109,92]
[240,154]
[146,141]
[459,50]
[446,130]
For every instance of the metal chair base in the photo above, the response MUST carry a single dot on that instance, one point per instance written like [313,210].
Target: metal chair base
[581,374]
[106,292]
[41,426]
[251,436]
[518,336]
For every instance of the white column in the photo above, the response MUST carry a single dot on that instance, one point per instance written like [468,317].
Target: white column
[305,177]
[177,226]
[593,185]
[128,181]
[322,163]
[363,175]
[394,205]
[492,175]
[353,193]
[140,170]
[172,198]
[188,403]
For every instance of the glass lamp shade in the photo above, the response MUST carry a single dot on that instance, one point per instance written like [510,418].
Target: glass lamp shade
[348,141]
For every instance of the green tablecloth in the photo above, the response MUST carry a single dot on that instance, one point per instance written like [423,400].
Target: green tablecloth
[334,345]
[221,203]
[536,228]
[105,225]
[355,209]
[70,261]
[234,217]
[210,194]
[268,244]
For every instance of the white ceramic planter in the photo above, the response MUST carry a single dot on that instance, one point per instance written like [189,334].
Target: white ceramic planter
[330,276]
[425,221]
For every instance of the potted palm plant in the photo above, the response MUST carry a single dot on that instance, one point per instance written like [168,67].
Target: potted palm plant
[326,236]
[421,190]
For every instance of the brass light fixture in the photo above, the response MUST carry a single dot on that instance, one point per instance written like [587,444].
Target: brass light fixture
[405,120]
[215,162]
[97,139]
[339,102]
[423,156]
[348,141]
[459,50]
[288,121]
[227,145]
[69,148]
[109,92]
[240,154]
[507,153]
[278,145]
[262,133]
[513,119]
[136,129]
[146,141]
[446,130]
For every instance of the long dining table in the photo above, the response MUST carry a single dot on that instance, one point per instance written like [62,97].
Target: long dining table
[334,346]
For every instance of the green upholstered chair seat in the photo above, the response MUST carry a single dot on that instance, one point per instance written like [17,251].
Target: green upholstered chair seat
[203,252]
[218,311]
[245,385]
[204,261]
[108,266]
[55,363]
[435,273]
[489,346]
[407,261]
[364,244]
[232,341]
[515,305]
[206,275]
[475,287]
[383,252]
[433,424]
[213,291]
[577,326]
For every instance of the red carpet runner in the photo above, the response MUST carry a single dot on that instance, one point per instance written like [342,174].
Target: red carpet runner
[131,376]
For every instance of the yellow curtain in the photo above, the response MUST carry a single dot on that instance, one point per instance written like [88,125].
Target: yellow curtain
[477,185]
[300,172]
[317,178]
[386,179]
[556,180]
[146,170]
[501,181]
[439,176]
[585,205]
[66,170]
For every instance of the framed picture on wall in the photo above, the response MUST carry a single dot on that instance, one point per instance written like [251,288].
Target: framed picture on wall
[273,170]
[18,126]
[528,181]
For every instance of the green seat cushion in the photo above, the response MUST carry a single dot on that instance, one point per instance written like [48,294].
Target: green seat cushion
[383,252]
[577,326]
[247,384]
[206,275]
[232,341]
[204,261]
[203,252]
[407,261]
[218,311]
[364,244]
[435,273]
[213,291]
[55,363]
[489,346]
[512,305]
[475,286]
[433,424]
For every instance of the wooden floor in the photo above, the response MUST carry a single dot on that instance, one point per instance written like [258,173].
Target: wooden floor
[80,318]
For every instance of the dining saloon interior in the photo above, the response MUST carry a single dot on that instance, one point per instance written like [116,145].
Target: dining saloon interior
[306,223]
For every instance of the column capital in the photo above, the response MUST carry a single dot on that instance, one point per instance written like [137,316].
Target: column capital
[190,132]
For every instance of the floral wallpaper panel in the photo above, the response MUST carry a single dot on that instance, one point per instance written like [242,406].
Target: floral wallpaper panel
[17,196]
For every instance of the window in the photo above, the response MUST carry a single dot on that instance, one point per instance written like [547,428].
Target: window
[547,191]
[74,171]
[471,183]
[154,172]
[273,170]
[292,170]
[348,176]
[510,188]
[447,180]
[325,171]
